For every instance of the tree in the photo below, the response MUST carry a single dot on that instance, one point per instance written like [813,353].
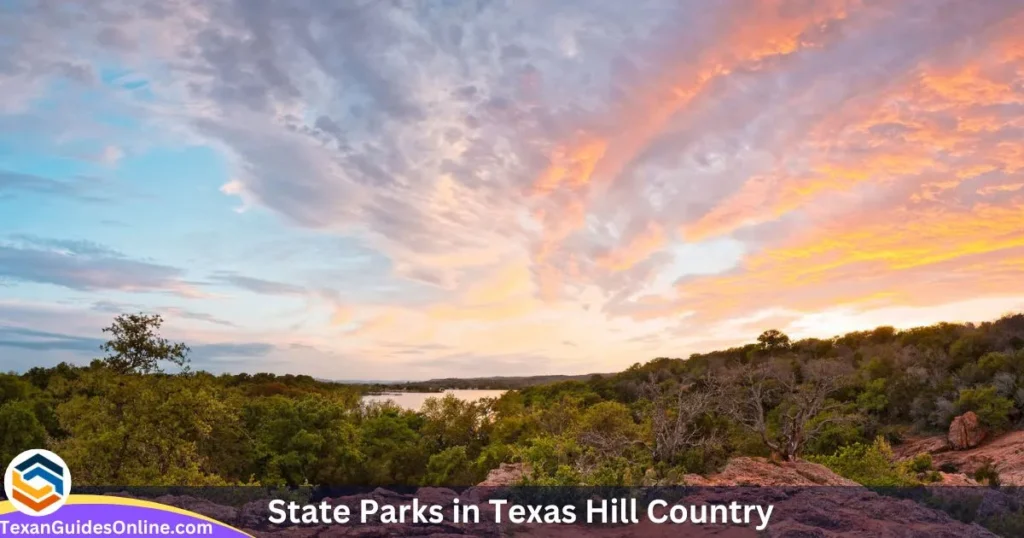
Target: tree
[20,430]
[136,347]
[140,430]
[674,417]
[773,392]
[301,439]
[608,429]
[773,340]
[993,410]
[13,388]
[450,422]
[450,467]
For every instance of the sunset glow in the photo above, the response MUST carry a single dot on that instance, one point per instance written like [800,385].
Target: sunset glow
[408,190]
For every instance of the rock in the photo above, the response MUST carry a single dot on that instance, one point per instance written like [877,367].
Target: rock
[801,509]
[254,514]
[507,474]
[226,514]
[956,479]
[439,496]
[761,472]
[834,512]
[921,445]
[1006,453]
[965,432]
[475,494]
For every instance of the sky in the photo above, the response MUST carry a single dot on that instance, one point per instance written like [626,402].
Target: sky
[398,189]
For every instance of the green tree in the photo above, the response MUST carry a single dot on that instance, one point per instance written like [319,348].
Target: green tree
[773,340]
[608,429]
[391,447]
[20,430]
[299,440]
[136,346]
[140,430]
[13,388]
[451,421]
[993,410]
[873,399]
[450,467]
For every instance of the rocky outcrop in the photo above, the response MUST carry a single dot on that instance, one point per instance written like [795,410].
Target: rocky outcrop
[199,506]
[920,445]
[507,474]
[762,472]
[1006,453]
[955,479]
[965,432]
[808,500]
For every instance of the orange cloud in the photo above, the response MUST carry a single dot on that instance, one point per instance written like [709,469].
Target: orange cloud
[649,241]
[750,40]
[992,189]
[767,198]
[936,128]
[572,166]
[913,254]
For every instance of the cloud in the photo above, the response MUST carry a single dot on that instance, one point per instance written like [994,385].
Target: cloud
[82,265]
[550,169]
[112,307]
[203,355]
[17,184]
[257,285]
[47,341]
[111,155]
[221,351]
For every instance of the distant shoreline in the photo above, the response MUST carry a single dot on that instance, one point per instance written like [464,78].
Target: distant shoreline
[469,383]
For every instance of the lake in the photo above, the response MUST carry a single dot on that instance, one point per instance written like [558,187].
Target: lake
[414,400]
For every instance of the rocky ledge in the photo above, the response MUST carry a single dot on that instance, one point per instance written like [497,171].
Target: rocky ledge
[809,501]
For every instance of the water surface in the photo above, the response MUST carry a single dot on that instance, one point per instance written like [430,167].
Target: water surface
[414,400]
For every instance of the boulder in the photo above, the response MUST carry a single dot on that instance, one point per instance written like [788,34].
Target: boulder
[965,432]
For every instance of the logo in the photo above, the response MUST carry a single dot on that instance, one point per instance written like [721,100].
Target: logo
[37,482]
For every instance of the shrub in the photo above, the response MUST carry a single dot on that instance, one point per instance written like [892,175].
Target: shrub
[870,465]
[921,462]
[450,467]
[835,435]
[987,474]
[993,410]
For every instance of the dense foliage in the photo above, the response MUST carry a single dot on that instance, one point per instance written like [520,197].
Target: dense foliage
[840,401]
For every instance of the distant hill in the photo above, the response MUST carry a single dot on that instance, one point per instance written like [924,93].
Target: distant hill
[490,383]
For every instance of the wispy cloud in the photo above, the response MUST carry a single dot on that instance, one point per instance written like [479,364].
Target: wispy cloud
[650,177]
[29,339]
[46,341]
[15,184]
[86,266]
[257,285]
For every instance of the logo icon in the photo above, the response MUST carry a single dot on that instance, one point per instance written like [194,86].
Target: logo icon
[37,482]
